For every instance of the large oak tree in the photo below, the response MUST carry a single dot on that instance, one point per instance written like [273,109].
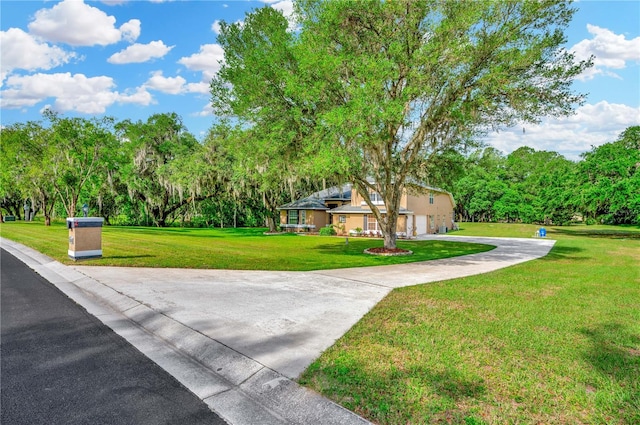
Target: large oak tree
[373,91]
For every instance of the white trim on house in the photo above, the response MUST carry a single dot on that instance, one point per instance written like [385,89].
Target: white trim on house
[298,226]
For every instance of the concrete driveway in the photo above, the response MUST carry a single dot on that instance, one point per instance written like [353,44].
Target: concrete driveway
[285,320]
[235,337]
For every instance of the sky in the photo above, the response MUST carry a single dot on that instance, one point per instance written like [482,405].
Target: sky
[132,59]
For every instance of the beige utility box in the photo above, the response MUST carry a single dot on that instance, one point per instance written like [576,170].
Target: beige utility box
[85,237]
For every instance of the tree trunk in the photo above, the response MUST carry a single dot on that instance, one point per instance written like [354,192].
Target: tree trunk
[389,230]
[272,224]
[390,240]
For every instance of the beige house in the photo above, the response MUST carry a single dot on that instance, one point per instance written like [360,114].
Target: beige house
[424,211]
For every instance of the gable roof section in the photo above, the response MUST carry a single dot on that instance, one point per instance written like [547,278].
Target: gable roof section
[316,200]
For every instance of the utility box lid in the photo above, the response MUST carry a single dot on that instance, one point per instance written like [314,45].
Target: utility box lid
[76,222]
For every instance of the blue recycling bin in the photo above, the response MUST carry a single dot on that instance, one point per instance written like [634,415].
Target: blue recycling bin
[543,232]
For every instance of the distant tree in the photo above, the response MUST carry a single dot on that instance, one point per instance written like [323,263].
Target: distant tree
[545,183]
[152,147]
[13,169]
[483,169]
[76,151]
[609,180]
[28,169]
[253,87]
[527,186]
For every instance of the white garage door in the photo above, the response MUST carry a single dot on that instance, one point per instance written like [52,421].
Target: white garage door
[421,224]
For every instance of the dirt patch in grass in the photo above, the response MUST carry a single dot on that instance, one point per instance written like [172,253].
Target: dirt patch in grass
[387,251]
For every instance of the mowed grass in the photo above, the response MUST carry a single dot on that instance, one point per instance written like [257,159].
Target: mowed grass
[550,341]
[239,249]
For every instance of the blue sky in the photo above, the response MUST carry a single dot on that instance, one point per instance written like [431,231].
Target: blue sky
[131,59]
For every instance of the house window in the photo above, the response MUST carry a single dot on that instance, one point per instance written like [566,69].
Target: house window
[432,223]
[370,223]
[376,198]
[431,197]
[292,217]
[303,217]
[342,219]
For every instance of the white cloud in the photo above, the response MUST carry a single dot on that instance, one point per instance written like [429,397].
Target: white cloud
[215,27]
[23,51]
[592,125]
[170,85]
[611,51]
[201,87]
[137,53]
[206,60]
[174,85]
[207,111]
[76,23]
[140,97]
[89,95]
[130,30]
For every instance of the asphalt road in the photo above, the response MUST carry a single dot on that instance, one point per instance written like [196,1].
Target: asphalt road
[60,365]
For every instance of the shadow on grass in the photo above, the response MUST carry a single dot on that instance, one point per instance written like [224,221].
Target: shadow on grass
[615,353]
[452,384]
[596,233]
[126,257]
[564,253]
[162,231]
[385,395]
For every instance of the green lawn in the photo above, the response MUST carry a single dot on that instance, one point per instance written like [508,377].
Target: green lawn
[240,249]
[551,341]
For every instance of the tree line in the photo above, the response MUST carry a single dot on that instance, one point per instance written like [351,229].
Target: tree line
[155,172]
[544,187]
[151,172]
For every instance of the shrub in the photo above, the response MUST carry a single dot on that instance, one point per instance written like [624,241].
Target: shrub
[327,231]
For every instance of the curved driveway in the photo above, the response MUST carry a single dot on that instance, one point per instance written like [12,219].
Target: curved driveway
[284,320]
[234,337]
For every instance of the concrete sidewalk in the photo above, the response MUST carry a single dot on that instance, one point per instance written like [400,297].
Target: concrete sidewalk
[238,338]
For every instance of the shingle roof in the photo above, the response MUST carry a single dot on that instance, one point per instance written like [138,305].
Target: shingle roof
[305,204]
[316,200]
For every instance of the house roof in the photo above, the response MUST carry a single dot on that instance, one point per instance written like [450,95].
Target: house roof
[316,200]
[305,204]
[350,209]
